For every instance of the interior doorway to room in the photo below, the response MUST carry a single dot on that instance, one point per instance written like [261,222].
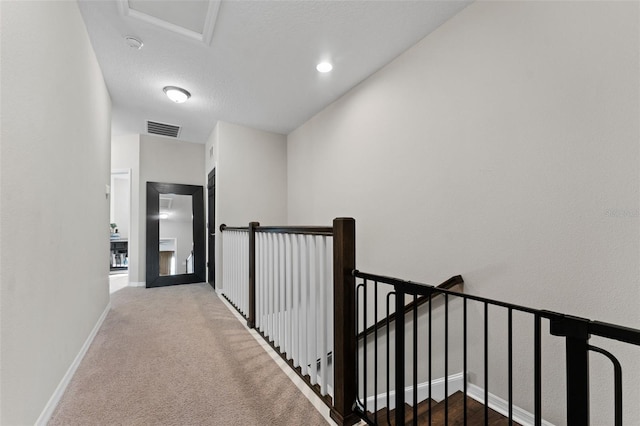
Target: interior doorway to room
[119,226]
[167,250]
[211,227]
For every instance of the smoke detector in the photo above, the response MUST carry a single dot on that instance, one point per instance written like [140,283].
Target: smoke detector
[134,42]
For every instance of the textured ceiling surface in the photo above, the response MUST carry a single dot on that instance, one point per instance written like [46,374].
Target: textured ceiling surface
[259,69]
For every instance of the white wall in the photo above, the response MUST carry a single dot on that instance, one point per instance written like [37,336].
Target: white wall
[210,152]
[251,179]
[167,161]
[503,147]
[125,154]
[55,131]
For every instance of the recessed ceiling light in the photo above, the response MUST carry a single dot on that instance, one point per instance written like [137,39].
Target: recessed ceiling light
[177,94]
[324,67]
[164,216]
[134,42]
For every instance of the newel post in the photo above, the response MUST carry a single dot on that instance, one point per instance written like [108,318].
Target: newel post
[251,320]
[576,333]
[344,322]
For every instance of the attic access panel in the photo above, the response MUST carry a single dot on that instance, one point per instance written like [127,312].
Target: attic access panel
[192,18]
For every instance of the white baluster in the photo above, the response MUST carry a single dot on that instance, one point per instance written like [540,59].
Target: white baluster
[224,260]
[245,249]
[269,294]
[236,270]
[323,311]
[258,281]
[288,318]
[239,271]
[274,285]
[304,305]
[245,273]
[281,292]
[276,291]
[231,265]
[329,311]
[295,283]
[236,259]
[313,299]
[265,285]
[278,308]
[227,269]
[238,262]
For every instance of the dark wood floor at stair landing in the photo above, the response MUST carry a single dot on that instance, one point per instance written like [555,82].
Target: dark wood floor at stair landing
[475,413]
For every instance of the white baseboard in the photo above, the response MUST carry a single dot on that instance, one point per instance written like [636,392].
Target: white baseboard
[137,284]
[437,392]
[498,404]
[62,386]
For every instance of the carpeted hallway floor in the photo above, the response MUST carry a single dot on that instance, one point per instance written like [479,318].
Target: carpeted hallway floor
[178,356]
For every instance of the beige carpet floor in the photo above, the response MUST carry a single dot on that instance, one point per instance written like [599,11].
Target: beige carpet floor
[178,356]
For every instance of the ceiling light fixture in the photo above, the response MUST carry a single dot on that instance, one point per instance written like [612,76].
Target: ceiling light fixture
[134,42]
[164,216]
[177,94]
[324,67]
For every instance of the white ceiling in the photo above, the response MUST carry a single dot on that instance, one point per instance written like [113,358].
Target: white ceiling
[259,68]
[181,209]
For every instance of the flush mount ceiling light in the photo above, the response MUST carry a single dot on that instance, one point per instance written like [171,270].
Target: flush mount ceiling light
[177,94]
[164,216]
[324,67]
[134,42]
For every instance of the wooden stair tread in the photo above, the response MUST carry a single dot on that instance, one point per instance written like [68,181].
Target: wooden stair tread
[475,413]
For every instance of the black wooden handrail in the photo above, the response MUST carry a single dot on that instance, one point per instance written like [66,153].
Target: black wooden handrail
[306,230]
[224,227]
[448,284]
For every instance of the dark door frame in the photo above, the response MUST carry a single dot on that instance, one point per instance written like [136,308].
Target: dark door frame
[211,227]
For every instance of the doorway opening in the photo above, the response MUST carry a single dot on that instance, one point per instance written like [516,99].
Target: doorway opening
[119,226]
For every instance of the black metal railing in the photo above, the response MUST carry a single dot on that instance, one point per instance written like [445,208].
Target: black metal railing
[398,333]
[395,349]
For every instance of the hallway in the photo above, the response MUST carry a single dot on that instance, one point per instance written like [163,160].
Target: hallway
[178,356]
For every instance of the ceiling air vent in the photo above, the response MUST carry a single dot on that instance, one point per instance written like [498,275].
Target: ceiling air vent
[164,129]
[165,203]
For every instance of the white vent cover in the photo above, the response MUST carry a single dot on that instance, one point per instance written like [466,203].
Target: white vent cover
[165,203]
[163,129]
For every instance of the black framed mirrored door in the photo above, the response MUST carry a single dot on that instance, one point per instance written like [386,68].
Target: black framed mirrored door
[175,234]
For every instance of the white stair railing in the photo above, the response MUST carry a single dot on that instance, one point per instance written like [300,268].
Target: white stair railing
[235,268]
[294,300]
[295,285]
